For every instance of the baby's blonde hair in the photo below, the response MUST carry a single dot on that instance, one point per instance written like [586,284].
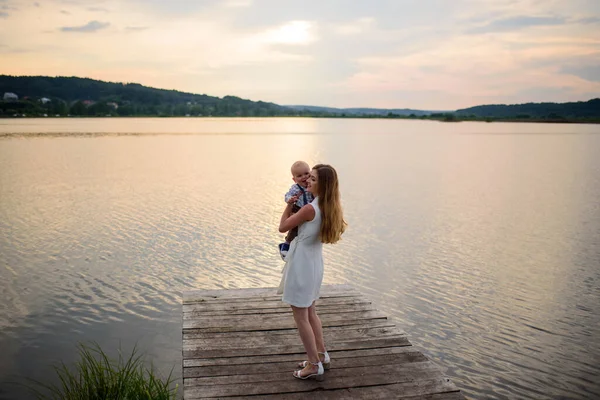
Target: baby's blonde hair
[299,164]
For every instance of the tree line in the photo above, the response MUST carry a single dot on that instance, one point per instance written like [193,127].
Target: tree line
[573,110]
[72,96]
[88,97]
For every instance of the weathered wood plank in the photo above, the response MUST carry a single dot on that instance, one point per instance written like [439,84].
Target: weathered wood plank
[268,322]
[437,396]
[292,337]
[258,293]
[199,333]
[274,297]
[327,330]
[292,358]
[258,313]
[409,355]
[394,374]
[268,304]
[431,389]
[199,352]
[283,375]
[246,292]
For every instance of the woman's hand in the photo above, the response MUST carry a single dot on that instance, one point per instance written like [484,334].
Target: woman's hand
[306,213]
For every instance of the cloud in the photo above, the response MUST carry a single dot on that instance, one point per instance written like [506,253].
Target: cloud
[354,27]
[97,9]
[589,73]
[12,50]
[293,32]
[478,68]
[65,12]
[176,8]
[434,54]
[237,3]
[516,23]
[136,28]
[91,26]
[588,20]
[36,4]
[6,6]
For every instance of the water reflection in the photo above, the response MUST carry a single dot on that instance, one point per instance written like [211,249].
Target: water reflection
[480,243]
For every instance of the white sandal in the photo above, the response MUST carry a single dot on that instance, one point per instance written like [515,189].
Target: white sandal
[319,375]
[326,361]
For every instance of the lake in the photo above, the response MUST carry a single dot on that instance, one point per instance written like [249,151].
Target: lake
[481,241]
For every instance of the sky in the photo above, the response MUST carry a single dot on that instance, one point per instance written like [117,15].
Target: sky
[422,54]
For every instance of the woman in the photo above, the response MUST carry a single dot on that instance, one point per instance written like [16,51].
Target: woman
[319,222]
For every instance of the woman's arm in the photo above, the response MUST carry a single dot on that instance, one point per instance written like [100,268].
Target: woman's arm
[288,221]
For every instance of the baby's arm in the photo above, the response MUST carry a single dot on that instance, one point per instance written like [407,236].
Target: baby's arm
[294,192]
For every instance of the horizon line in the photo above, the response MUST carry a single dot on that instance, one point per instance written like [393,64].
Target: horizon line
[292,105]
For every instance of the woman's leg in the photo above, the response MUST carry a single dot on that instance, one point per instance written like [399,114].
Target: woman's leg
[308,338]
[317,328]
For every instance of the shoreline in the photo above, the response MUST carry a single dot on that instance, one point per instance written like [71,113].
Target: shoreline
[593,121]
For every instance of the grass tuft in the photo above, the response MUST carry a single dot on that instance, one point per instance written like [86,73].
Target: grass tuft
[97,377]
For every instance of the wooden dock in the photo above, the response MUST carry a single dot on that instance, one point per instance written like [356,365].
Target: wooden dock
[243,343]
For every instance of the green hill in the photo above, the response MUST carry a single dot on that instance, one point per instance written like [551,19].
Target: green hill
[82,96]
[576,110]
[62,96]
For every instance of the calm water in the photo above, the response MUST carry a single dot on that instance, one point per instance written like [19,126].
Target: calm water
[482,241]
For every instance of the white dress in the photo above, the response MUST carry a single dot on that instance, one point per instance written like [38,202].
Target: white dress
[303,270]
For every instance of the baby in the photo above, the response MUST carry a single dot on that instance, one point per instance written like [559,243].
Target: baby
[300,175]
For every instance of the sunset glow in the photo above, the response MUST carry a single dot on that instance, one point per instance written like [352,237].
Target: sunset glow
[434,54]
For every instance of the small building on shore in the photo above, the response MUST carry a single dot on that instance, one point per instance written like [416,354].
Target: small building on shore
[9,96]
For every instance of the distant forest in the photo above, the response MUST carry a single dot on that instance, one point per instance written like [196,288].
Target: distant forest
[38,95]
[580,109]
[35,96]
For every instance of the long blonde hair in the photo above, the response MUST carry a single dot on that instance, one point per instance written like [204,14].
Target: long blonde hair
[332,216]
